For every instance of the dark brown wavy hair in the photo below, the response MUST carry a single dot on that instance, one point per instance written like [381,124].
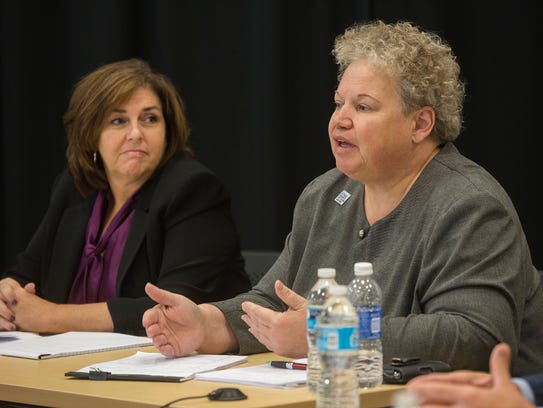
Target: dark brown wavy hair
[94,98]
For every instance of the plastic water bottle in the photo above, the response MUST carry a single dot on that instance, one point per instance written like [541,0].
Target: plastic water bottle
[337,343]
[365,295]
[315,301]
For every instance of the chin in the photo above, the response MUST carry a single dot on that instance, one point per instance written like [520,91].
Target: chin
[349,171]
[345,168]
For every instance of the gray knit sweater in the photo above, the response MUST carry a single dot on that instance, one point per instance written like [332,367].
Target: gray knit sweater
[451,258]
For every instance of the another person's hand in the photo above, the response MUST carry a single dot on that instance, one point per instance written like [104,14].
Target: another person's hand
[471,389]
[175,325]
[283,333]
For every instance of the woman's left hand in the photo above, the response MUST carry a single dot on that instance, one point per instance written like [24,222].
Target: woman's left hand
[283,333]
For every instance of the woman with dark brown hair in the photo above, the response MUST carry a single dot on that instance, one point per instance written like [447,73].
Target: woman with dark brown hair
[133,206]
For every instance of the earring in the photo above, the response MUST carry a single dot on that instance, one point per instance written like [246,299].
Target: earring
[94,157]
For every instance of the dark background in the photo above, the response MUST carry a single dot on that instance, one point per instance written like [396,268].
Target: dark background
[257,78]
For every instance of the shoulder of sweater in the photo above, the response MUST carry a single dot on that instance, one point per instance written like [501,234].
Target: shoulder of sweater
[466,174]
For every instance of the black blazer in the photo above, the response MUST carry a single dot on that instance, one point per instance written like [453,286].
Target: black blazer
[182,238]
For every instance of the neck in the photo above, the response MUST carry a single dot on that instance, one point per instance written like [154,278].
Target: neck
[379,202]
[118,196]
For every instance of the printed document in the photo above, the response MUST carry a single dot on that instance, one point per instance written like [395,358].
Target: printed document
[142,365]
[30,345]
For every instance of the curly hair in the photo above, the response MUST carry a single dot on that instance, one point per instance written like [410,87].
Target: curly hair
[424,66]
[100,92]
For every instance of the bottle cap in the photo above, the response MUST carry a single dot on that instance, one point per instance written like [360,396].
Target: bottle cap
[326,272]
[363,268]
[337,290]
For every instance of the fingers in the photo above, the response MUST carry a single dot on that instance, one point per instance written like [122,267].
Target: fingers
[150,317]
[257,313]
[166,350]
[151,323]
[456,377]
[500,360]
[8,286]
[259,320]
[157,294]
[160,341]
[289,297]
[435,393]
[30,288]
[8,299]
[6,318]
[161,296]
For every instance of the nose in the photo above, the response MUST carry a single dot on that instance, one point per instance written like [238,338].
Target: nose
[342,117]
[134,132]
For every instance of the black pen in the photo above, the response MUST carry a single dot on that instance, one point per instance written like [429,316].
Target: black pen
[288,365]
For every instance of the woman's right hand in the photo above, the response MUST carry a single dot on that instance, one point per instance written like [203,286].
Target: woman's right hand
[175,325]
[8,289]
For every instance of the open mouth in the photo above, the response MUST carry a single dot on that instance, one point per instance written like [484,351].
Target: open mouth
[343,143]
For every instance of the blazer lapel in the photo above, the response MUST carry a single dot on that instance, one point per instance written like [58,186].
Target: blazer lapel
[69,239]
[133,242]
[137,230]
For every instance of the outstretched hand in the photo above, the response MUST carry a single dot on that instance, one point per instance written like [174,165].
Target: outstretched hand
[471,389]
[283,333]
[175,324]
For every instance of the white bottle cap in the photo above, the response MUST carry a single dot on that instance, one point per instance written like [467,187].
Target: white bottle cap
[326,272]
[363,268]
[337,290]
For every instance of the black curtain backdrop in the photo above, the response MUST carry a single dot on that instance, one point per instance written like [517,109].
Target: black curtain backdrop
[257,78]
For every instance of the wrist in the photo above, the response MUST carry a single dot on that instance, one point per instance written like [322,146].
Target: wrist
[217,336]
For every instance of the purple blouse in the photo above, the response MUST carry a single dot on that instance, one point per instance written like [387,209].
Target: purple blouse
[96,276]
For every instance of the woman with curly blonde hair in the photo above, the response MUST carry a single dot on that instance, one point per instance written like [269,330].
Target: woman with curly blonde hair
[446,244]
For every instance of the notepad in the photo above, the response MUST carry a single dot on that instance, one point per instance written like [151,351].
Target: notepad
[143,366]
[259,375]
[21,344]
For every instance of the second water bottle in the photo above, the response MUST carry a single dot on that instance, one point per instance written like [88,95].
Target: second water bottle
[365,295]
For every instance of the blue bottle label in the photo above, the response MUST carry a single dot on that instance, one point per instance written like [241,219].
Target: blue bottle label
[337,338]
[312,314]
[370,324]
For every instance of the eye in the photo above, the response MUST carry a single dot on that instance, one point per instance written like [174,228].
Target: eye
[362,108]
[150,118]
[338,105]
[117,121]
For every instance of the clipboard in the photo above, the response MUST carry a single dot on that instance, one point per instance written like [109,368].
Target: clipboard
[152,366]
[105,375]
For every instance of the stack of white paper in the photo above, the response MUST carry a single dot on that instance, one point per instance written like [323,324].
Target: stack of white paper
[260,375]
[144,366]
[27,345]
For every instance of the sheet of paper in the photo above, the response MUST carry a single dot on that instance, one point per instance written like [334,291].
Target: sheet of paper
[16,335]
[142,363]
[260,375]
[67,344]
